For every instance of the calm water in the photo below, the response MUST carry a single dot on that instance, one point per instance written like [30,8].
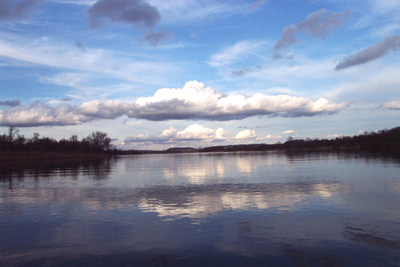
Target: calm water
[231,209]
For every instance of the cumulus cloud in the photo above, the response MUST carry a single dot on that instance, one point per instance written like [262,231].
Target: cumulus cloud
[376,51]
[196,101]
[168,133]
[319,24]
[10,103]
[133,12]
[193,101]
[154,37]
[12,10]
[246,134]
[140,138]
[391,105]
[194,132]
[109,109]
[39,114]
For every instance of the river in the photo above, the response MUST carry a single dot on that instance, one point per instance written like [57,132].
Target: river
[210,209]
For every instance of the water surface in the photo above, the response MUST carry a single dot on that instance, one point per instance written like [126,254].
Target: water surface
[221,209]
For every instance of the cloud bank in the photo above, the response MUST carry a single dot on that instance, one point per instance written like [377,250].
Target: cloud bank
[319,24]
[133,12]
[376,51]
[12,10]
[39,114]
[194,101]
[194,132]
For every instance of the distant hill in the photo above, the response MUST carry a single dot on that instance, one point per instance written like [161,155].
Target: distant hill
[180,150]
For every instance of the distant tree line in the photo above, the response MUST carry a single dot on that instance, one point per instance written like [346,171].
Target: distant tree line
[96,142]
[380,141]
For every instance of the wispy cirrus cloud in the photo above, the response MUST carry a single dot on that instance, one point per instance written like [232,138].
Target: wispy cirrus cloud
[91,61]
[173,11]
[236,52]
[192,102]
[256,5]
[14,10]
[371,53]
[319,24]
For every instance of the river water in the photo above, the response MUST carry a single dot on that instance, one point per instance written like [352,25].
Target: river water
[216,209]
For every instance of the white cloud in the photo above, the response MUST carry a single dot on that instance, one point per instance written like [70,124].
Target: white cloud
[109,109]
[270,136]
[39,114]
[288,132]
[196,132]
[220,134]
[392,105]
[333,136]
[138,138]
[193,101]
[168,133]
[246,134]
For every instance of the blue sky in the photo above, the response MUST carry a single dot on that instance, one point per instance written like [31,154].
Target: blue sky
[158,73]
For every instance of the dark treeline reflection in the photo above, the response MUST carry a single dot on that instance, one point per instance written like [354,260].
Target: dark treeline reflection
[45,171]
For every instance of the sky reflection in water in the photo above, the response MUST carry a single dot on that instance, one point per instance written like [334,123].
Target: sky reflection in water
[201,209]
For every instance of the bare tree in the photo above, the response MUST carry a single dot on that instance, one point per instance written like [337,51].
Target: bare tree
[99,141]
[13,133]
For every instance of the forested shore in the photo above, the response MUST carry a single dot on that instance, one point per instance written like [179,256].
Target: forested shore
[14,146]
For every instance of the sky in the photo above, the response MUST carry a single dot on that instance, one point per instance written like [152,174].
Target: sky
[155,74]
